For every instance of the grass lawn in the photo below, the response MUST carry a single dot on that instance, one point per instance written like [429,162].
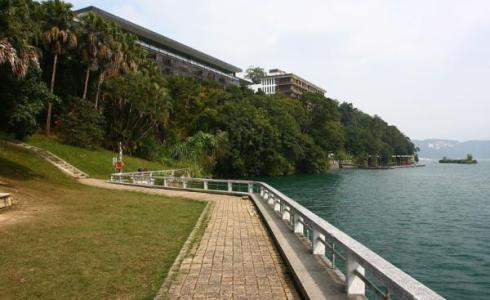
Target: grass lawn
[66,240]
[97,163]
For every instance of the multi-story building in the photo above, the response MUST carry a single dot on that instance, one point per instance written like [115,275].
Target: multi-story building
[290,84]
[173,57]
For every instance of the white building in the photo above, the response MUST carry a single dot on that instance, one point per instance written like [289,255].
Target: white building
[286,83]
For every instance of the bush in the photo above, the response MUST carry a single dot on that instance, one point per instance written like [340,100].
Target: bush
[82,125]
[22,102]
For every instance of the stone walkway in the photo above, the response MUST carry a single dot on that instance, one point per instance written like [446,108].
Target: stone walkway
[235,259]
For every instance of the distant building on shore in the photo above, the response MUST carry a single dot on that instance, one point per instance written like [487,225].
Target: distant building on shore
[278,81]
[172,57]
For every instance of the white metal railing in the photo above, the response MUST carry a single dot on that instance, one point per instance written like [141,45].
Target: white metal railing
[359,261]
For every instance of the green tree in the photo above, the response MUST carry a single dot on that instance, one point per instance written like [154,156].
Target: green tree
[57,38]
[137,106]
[95,46]
[18,30]
[255,74]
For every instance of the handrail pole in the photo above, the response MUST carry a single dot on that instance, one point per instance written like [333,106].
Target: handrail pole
[318,243]
[354,285]
[230,186]
[272,200]
[205,185]
[277,205]
[298,224]
[286,214]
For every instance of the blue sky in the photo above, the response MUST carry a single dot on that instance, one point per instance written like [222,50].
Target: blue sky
[423,66]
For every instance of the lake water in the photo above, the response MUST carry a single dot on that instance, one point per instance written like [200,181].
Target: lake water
[432,222]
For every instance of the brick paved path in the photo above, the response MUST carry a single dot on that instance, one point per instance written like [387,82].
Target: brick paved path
[235,259]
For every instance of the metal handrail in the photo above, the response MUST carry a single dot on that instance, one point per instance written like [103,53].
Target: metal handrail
[358,257]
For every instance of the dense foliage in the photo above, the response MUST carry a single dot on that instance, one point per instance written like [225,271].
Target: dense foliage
[104,90]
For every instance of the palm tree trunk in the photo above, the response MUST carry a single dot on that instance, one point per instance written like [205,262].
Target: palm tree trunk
[50,105]
[101,79]
[86,83]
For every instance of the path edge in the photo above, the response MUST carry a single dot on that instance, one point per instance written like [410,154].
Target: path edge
[184,251]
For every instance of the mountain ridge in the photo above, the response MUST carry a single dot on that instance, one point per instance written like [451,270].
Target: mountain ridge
[438,148]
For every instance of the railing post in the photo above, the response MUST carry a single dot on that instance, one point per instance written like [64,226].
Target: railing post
[205,185]
[262,192]
[318,242]
[277,206]
[165,183]
[184,183]
[250,188]
[355,285]
[298,224]
[271,198]
[286,214]
[230,186]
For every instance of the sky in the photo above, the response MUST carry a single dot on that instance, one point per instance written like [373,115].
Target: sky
[422,65]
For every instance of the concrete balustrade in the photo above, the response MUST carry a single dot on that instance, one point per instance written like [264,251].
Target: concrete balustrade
[359,260]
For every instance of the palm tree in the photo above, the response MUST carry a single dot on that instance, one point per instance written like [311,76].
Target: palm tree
[17,31]
[95,49]
[57,39]
[126,57]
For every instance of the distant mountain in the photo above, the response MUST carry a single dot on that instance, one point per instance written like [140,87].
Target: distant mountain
[438,148]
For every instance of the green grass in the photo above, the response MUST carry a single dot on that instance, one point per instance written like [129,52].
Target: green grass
[97,162]
[66,240]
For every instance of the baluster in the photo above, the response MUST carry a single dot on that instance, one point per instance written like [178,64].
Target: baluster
[230,186]
[272,200]
[298,224]
[184,183]
[205,185]
[250,188]
[355,285]
[285,213]
[277,206]
[333,254]
[165,183]
[318,243]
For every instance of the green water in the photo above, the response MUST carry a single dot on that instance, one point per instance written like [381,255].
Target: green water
[432,222]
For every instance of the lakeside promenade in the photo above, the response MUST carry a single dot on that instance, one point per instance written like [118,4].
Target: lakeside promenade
[300,235]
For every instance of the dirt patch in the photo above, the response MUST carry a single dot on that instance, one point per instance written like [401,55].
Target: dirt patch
[22,209]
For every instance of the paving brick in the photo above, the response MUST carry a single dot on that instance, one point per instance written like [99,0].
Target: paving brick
[235,259]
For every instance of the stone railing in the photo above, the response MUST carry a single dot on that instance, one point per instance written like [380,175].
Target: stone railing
[361,267]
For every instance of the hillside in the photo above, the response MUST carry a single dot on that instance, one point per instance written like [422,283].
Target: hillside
[438,148]
[95,162]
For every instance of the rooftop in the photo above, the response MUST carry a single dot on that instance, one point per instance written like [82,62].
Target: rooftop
[162,41]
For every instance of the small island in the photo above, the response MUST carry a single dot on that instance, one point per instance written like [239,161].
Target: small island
[468,160]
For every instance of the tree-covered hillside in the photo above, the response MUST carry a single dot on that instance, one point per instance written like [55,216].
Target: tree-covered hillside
[90,82]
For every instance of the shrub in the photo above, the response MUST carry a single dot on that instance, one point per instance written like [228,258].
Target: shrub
[22,101]
[82,125]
